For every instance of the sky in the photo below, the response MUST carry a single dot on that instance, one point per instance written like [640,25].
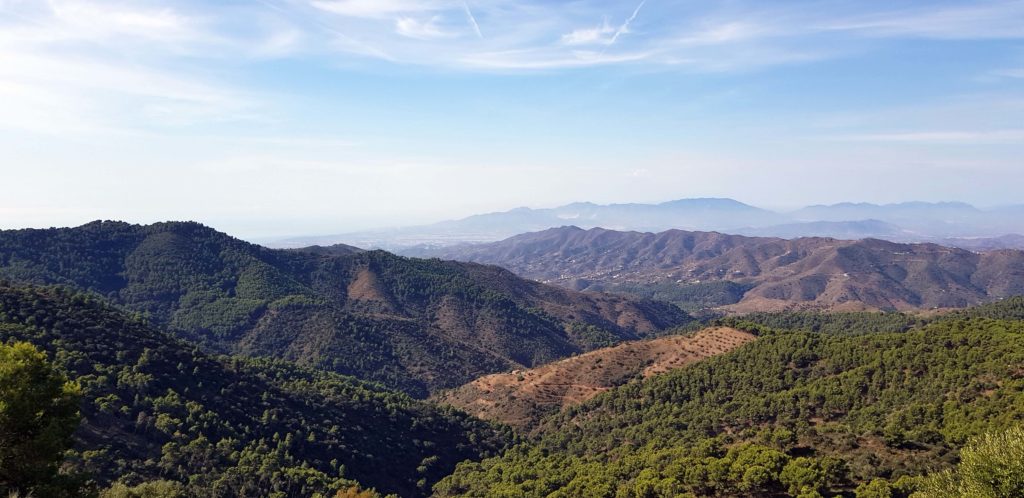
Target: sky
[273,118]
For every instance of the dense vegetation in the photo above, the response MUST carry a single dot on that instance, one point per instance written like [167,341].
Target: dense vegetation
[690,297]
[38,414]
[154,407]
[414,325]
[1006,309]
[853,404]
[826,323]
[865,322]
[793,413]
[991,466]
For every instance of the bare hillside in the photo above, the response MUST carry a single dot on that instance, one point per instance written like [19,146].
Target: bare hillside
[758,273]
[520,397]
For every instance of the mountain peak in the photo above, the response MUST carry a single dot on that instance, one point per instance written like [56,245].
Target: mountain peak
[580,205]
[708,202]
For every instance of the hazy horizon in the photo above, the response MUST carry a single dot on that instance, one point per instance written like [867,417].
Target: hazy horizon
[263,237]
[288,117]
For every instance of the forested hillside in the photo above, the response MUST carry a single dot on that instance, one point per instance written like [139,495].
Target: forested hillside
[415,325]
[820,404]
[154,407]
[860,322]
[792,413]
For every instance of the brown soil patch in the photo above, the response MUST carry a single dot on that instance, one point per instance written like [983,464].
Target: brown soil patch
[365,287]
[521,397]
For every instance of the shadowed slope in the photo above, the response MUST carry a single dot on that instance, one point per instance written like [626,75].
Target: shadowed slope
[156,407]
[416,325]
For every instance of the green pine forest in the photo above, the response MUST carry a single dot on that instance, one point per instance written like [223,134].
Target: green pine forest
[156,408]
[795,413]
[173,361]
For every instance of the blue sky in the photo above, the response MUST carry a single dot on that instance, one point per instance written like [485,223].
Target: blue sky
[283,117]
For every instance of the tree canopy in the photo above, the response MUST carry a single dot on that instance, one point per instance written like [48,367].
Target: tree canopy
[38,414]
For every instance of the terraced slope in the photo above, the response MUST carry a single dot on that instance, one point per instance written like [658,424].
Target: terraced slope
[521,397]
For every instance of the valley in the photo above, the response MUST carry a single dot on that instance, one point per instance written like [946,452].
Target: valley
[411,324]
[511,249]
[201,362]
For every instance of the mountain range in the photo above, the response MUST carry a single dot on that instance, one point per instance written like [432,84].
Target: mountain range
[948,223]
[607,394]
[756,273]
[411,324]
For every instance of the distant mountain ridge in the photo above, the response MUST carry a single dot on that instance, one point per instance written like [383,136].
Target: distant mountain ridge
[857,229]
[414,325]
[697,214]
[775,273]
[948,223]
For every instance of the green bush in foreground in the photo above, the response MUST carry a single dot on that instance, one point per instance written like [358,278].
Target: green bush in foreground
[38,414]
[991,466]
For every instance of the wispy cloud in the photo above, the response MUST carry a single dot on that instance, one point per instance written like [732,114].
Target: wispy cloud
[85,66]
[700,40]
[726,32]
[426,29]
[964,137]
[585,36]
[986,20]
[375,8]
[528,34]
[148,64]
[604,34]
[63,94]
[98,22]
[529,60]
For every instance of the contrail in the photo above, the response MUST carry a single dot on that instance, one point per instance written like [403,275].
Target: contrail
[625,26]
[472,20]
